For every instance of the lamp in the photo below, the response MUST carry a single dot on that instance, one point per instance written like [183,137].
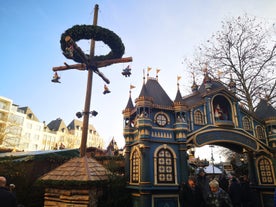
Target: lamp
[80,114]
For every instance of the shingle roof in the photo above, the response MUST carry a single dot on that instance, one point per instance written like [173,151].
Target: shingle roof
[78,169]
[54,124]
[74,123]
[129,104]
[153,89]
[30,114]
[265,111]
[178,97]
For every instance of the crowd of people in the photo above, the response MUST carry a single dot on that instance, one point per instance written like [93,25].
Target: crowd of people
[200,191]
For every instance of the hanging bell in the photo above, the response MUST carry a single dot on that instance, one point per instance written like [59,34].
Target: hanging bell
[106,90]
[56,78]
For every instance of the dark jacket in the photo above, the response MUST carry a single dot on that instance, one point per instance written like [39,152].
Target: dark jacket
[7,199]
[218,199]
[192,197]
[235,192]
[203,184]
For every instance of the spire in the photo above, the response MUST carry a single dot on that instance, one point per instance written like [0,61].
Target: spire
[232,84]
[194,87]
[178,96]
[207,80]
[130,102]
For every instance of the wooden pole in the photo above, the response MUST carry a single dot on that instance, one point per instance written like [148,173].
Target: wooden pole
[88,92]
[92,66]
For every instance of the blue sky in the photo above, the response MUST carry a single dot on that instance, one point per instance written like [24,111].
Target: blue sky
[156,33]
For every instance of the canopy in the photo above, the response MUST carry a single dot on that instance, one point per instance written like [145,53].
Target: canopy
[212,170]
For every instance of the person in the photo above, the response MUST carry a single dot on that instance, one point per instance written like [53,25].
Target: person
[245,191]
[7,199]
[223,182]
[191,194]
[218,113]
[235,192]
[217,197]
[274,198]
[203,183]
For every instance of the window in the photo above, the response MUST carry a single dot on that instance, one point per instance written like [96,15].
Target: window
[246,124]
[198,117]
[165,166]
[135,166]
[260,132]
[265,171]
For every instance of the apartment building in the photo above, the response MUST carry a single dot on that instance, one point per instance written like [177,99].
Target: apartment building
[20,129]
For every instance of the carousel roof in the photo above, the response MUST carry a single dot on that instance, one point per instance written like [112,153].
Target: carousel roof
[78,169]
[210,169]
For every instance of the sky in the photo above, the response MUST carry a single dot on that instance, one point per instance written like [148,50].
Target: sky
[156,33]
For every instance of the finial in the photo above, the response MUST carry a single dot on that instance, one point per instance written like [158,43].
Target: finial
[194,86]
[157,71]
[148,70]
[232,84]
[130,87]
[178,78]
[205,69]
[207,79]
[219,74]
[144,76]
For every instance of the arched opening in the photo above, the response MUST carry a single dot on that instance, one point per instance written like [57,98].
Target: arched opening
[222,109]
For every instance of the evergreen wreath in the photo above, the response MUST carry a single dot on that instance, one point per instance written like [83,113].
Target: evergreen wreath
[97,33]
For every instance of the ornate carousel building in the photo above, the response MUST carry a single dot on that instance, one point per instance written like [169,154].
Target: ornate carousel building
[158,132]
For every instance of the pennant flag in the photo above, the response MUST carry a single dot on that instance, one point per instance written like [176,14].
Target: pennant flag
[157,71]
[149,68]
[178,78]
[132,86]
[219,73]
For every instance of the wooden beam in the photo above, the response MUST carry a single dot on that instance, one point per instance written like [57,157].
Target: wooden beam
[99,64]
[105,63]
[80,66]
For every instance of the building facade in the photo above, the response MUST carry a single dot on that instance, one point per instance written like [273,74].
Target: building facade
[159,131]
[21,130]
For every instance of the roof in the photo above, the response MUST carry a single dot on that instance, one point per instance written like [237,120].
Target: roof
[129,104]
[265,111]
[78,169]
[74,123]
[24,156]
[29,113]
[197,96]
[57,125]
[211,169]
[178,97]
[153,89]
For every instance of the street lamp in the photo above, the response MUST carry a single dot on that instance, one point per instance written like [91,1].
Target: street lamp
[80,114]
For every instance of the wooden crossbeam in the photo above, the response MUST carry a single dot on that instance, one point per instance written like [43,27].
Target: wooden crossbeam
[99,64]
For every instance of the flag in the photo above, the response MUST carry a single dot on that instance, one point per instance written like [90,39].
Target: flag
[132,86]
[178,78]
[219,73]
[157,71]
[149,68]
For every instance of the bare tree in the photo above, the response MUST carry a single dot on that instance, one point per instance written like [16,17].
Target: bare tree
[244,49]
[10,132]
